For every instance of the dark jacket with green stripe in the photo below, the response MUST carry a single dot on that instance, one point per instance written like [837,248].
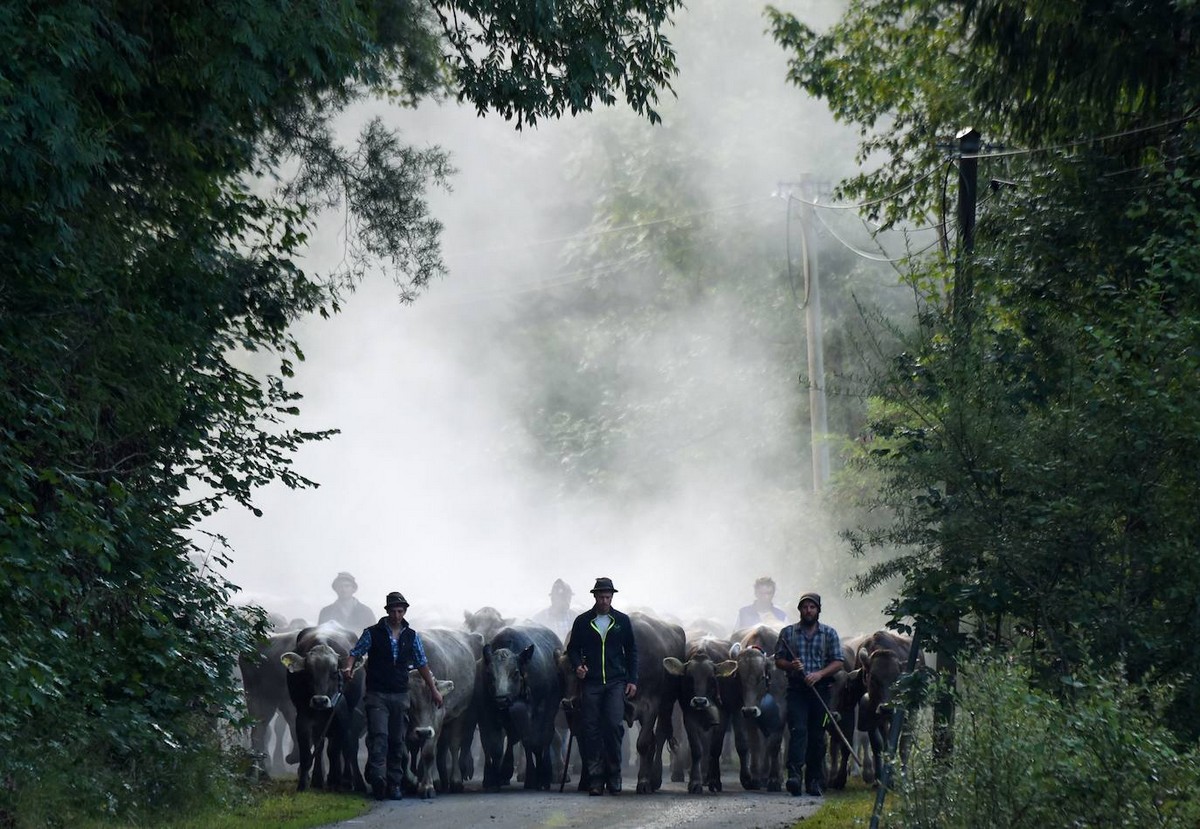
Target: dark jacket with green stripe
[613,657]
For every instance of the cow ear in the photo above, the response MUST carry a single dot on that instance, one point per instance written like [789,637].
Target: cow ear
[444,686]
[673,666]
[468,617]
[508,622]
[727,668]
[294,662]
[527,654]
[863,657]
[735,650]
[487,654]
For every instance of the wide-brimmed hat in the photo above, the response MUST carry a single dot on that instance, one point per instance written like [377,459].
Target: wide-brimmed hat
[604,585]
[341,577]
[395,599]
[815,598]
[561,587]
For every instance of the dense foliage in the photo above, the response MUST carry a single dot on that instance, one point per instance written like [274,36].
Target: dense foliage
[1098,756]
[146,247]
[1035,442]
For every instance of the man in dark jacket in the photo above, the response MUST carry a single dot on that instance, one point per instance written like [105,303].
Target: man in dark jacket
[603,653]
[391,647]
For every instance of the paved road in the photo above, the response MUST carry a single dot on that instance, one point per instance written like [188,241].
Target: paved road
[519,809]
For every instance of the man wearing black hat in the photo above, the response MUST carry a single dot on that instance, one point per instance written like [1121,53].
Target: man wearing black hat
[347,610]
[559,616]
[810,653]
[603,653]
[392,647]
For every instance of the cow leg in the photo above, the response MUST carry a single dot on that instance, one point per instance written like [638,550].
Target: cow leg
[491,736]
[741,743]
[646,740]
[695,738]
[774,749]
[716,743]
[304,749]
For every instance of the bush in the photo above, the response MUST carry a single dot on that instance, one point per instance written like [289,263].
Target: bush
[1096,756]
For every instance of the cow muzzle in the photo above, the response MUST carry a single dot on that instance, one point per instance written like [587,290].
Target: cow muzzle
[751,712]
[699,702]
[503,703]
[320,703]
[424,733]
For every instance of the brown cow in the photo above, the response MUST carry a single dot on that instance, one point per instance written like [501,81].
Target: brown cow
[704,719]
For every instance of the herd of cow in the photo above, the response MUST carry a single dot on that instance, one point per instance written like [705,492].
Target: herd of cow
[512,685]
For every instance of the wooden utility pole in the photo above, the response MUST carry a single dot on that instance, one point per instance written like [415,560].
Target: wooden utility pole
[961,315]
[818,421]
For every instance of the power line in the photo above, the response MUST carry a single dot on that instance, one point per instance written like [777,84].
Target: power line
[873,202]
[870,256]
[1183,119]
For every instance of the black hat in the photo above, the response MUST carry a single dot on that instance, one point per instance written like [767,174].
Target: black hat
[344,576]
[604,585]
[561,586]
[815,598]
[395,599]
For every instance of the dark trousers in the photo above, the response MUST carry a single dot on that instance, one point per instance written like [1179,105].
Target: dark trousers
[387,718]
[603,728]
[806,731]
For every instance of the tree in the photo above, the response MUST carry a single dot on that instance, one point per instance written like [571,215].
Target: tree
[1036,475]
[146,243]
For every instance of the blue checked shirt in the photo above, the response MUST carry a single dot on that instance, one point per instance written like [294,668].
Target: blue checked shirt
[814,654]
[364,645]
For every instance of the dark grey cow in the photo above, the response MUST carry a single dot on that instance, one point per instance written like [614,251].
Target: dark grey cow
[758,734]
[881,659]
[704,719]
[520,697]
[438,736]
[264,679]
[326,707]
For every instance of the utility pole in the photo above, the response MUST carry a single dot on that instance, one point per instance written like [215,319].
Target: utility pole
[961,315]
[818,421]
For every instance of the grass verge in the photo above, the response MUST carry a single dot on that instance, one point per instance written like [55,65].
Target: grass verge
[276,804]
[850,807]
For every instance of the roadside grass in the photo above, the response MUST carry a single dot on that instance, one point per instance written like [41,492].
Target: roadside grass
[276,804]
[850,807]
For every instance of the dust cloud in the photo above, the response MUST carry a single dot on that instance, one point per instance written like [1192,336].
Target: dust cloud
[439,486]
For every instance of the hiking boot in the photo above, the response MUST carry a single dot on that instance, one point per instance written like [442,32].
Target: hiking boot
[815,789]
[793,786]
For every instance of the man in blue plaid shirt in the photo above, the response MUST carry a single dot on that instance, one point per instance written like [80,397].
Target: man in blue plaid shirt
[810,653]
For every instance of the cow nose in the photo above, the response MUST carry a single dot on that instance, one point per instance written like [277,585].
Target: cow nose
[570,704]
[699,702]
[503,702]
[751,712]
[424,733]
[319,703]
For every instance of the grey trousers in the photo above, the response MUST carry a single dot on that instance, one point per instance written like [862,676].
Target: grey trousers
[603,727]
[387,718]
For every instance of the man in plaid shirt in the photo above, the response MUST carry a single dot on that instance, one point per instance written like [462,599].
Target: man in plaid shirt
[810,653]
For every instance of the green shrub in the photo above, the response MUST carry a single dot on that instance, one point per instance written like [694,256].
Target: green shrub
[1096,756]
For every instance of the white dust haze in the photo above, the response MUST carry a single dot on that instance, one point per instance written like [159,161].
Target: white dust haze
[429,488]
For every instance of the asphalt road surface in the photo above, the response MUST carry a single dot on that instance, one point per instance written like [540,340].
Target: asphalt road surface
[515,808]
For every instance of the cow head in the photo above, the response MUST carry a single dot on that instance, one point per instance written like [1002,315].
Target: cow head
[424,718]
[698,692]
[320,666]
[754,673]
[882,670]
[504,674]
[486,621]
